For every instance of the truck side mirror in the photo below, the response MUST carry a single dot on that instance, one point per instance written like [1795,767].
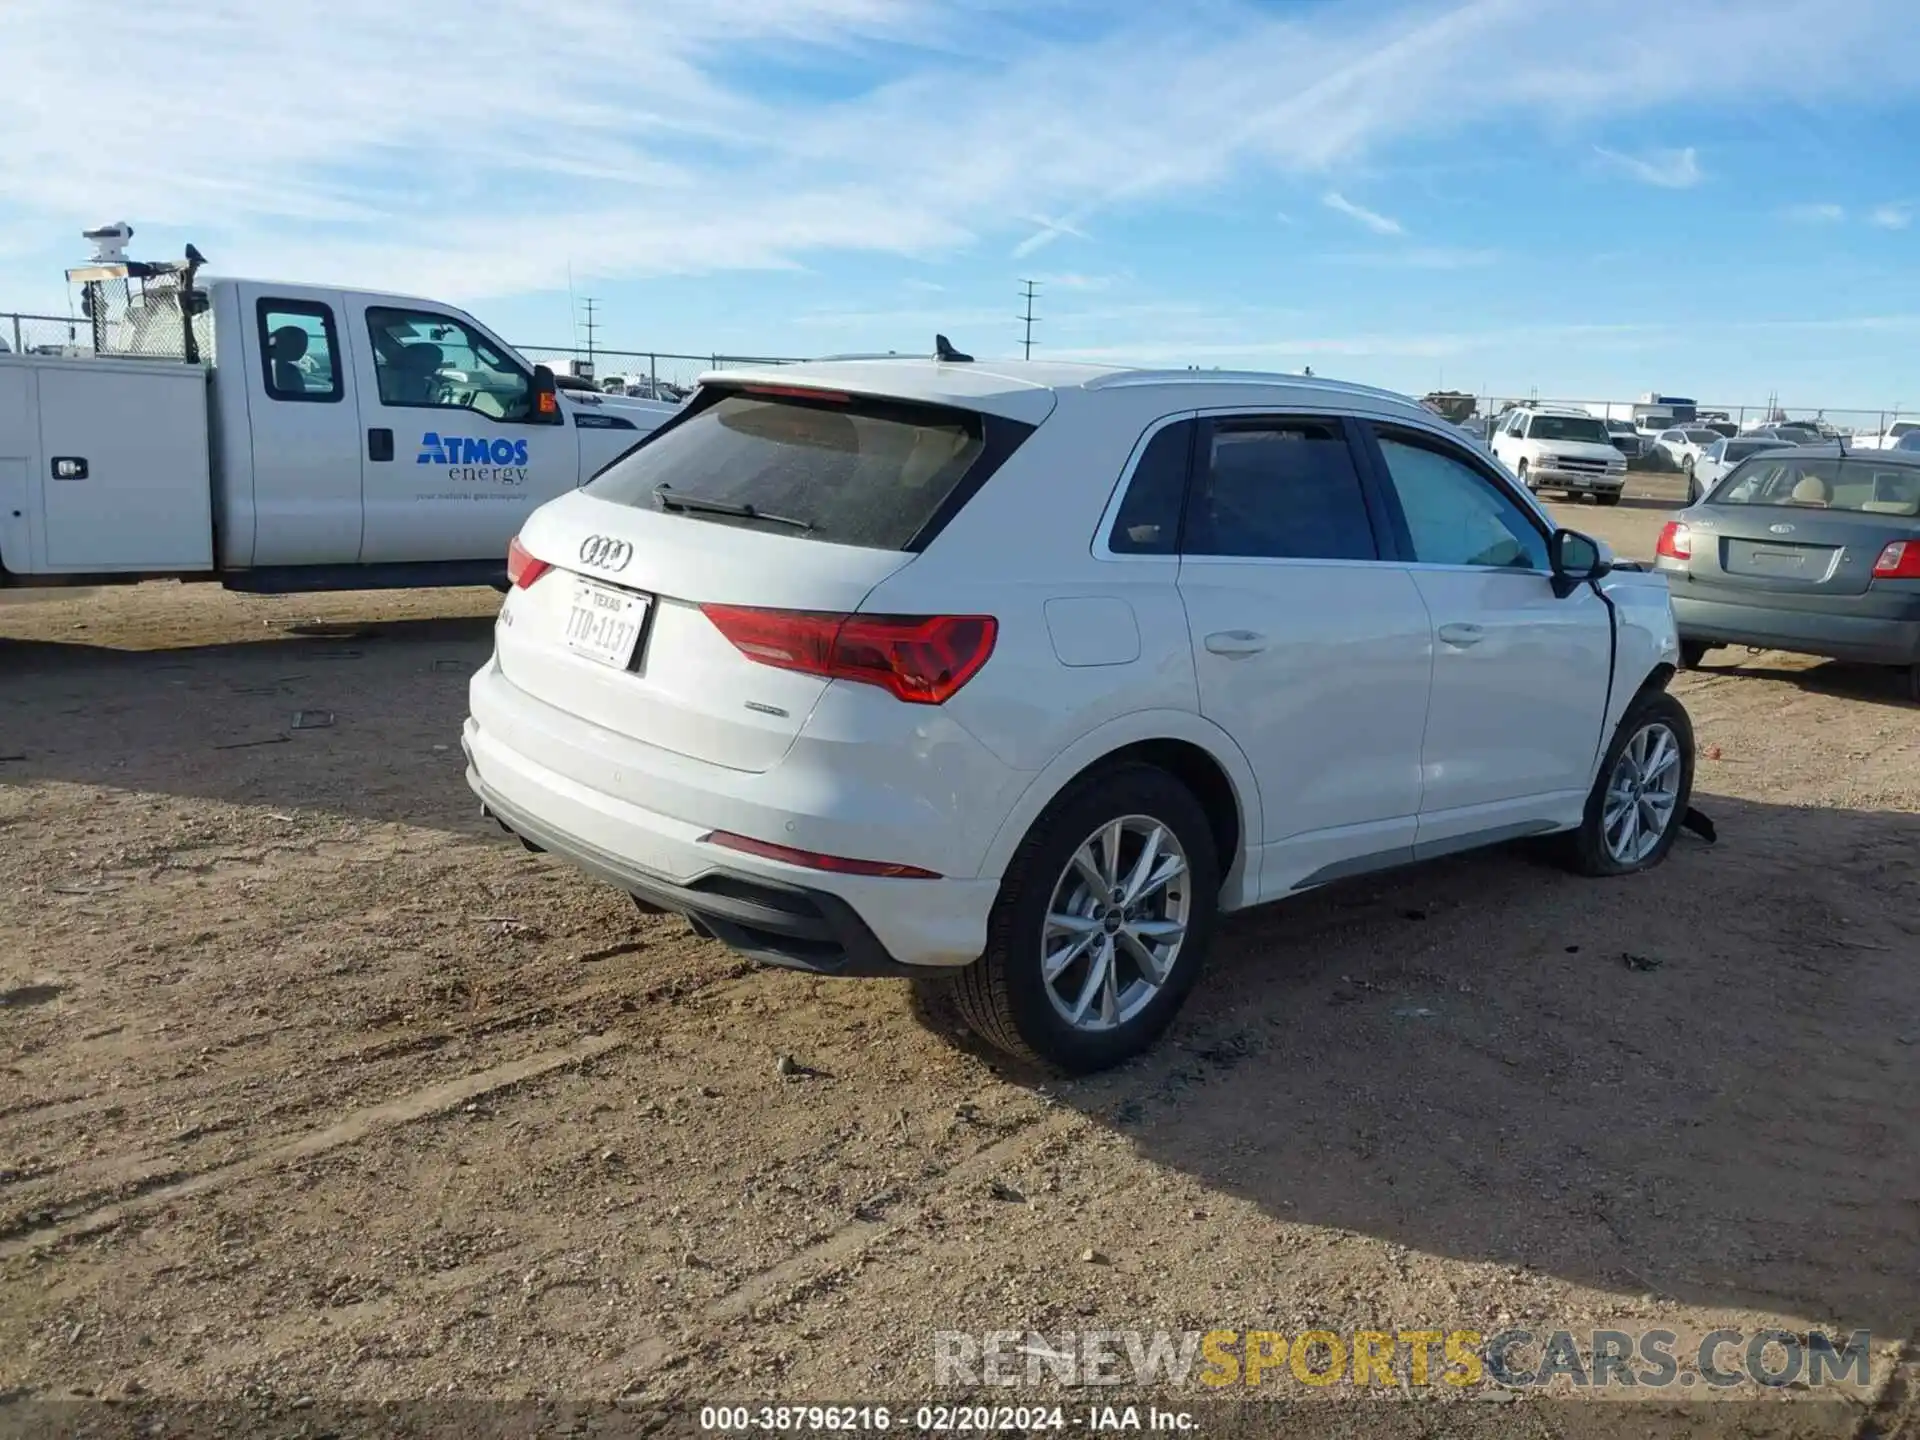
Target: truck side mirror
[546,398]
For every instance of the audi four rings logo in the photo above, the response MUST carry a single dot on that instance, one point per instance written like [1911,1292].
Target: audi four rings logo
[605,553]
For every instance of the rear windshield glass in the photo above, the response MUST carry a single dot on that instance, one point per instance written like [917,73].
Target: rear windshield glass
[1568,427]
[880,474]
[1823,484]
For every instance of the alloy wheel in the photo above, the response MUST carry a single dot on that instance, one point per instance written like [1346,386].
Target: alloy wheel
[1642,793]
[1116,923]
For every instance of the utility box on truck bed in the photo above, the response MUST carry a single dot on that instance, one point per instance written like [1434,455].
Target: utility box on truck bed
[117,455]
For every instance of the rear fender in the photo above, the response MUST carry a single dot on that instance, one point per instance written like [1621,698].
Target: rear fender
[1242,878]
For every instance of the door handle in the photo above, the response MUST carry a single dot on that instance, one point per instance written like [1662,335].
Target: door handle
[380,444]
[1462,634]
[1235,642]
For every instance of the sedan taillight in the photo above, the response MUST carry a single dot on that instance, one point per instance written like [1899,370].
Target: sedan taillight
[1899,561]
[1676,541]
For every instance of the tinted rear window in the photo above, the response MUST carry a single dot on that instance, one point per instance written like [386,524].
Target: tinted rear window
[880,474]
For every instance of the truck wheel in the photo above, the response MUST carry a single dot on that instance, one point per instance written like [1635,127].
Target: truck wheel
[1607,497]
[1913,683]
[1102,924]
[1692,652]
[1640,795]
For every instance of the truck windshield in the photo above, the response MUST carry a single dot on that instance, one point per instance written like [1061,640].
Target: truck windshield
[881,474]
[1569,428]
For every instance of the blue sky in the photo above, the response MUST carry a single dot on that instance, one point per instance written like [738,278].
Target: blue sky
[1589,198]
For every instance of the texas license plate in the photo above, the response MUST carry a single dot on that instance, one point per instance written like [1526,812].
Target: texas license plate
[604,624]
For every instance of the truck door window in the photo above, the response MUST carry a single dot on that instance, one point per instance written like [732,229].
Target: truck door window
[299,358]
[435,362]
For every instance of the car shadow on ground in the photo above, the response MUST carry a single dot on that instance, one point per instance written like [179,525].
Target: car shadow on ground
[1491,1060]
[1869,684]
[359,720]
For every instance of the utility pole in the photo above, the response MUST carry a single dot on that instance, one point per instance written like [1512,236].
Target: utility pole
[1028,289]
[590,327]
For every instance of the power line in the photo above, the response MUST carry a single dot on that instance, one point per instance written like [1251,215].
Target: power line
[1028,289]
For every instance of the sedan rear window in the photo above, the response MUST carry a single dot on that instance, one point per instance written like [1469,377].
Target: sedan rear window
[849,470]
[1822,483]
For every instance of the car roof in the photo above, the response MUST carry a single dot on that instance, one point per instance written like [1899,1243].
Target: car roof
[1027,389]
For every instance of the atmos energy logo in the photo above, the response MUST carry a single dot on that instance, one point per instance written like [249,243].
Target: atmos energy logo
[497,462]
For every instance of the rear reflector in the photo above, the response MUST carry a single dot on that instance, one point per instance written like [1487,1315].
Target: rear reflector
[1899,561]
[1676,541]
[522,568]
[837,864]
[922,659]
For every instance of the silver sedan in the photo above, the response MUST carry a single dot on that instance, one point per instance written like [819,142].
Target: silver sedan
[1812,550]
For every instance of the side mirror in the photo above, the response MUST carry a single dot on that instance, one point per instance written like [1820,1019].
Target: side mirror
[546,398]
[1576,559]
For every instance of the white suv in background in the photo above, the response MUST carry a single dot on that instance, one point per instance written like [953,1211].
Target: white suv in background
[1554,448]
[1012,677]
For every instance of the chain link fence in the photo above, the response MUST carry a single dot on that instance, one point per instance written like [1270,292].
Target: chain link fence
[651,374]
[45,335]
[147,322]
[1826,418]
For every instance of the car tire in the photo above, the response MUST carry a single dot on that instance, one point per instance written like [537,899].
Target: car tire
[1692,652]
[1610,497]
[1005,997]
[1521,472]
[1913,683]
[1595,848]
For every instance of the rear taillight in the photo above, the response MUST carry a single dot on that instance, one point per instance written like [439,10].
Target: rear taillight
[812,860]
[522,568]
[923,659]
[1676,541]
[1899,561]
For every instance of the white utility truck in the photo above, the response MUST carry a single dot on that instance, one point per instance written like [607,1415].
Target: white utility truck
[279,438]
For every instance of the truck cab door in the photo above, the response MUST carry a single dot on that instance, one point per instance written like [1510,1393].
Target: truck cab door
[304,430]
[456,449]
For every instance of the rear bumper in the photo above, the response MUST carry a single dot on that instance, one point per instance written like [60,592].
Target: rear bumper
[1867,639]
[646,839]
[765,920]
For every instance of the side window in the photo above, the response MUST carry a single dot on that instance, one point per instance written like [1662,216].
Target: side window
[1520,426]
[1279,489]
[1456,515]
[299,357]
[1149,518]
[428,361]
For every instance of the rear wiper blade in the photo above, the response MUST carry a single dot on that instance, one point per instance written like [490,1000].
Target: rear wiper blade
[667,498]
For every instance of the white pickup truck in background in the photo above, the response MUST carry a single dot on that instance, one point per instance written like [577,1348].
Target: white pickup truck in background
[287,438]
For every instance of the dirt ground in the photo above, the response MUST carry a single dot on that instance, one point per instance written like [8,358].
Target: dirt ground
[313,1088]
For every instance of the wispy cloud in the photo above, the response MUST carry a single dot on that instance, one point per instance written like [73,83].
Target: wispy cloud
[1434,257]
[1372,219]
[696,136]
[1891,217]
[1669,169]
[1050,230]
[1073,280]
[1818,214]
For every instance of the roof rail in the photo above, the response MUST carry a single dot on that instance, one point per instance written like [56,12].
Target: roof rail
[1245,377]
